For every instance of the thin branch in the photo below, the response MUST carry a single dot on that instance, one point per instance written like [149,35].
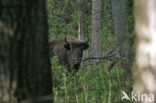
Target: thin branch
[93,58]
[109,54]
[118,45]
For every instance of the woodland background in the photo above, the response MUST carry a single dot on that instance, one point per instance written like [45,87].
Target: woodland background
[113,63]
[110,27]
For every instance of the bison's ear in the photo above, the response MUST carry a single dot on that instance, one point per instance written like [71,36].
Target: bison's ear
[67,46]
[85,46]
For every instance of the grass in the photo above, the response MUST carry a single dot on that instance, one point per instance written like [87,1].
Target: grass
[97,84]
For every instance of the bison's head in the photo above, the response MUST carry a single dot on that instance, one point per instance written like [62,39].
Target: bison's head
[75,51]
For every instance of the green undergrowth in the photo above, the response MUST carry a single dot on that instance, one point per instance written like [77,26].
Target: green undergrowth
[97,84]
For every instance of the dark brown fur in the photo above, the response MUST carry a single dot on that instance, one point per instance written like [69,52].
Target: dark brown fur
[68,54]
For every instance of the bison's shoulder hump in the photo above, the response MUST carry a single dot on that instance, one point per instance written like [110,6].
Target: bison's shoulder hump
[72,39]
[61,41]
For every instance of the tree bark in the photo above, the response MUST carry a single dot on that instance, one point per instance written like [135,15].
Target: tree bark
[120,20]
[96,28]
[5,79]
[82,4]
[145,24]
[24,59]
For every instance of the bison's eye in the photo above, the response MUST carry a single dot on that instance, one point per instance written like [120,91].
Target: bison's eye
[67,46]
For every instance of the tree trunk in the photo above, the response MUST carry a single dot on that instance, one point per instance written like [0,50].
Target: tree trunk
[24,59]
[144,74]
[120,20]
[96,28]
[5,80]
[82,4]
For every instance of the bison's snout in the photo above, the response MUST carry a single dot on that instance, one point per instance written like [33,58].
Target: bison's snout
[77,63]
[76,66]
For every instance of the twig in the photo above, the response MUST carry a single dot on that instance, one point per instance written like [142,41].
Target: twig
[110,57]
[111,65]
[116,46]
[92,58]
[109,54]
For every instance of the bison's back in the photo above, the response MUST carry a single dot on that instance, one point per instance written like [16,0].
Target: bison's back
[61,41]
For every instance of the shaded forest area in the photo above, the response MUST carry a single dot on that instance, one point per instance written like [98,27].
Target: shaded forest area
[106,67]
[77,51]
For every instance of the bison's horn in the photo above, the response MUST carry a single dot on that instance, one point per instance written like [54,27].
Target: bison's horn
[65,39]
